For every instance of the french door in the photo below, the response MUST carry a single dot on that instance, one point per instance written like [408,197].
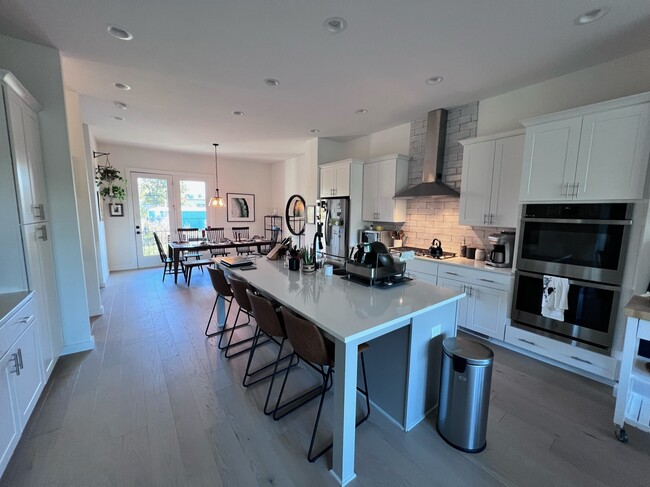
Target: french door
[162,203]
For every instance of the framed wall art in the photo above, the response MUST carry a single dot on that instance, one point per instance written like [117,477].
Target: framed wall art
[311,214]
[116,209]
[241,207]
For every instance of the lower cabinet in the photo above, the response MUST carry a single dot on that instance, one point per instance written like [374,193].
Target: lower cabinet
[22,377]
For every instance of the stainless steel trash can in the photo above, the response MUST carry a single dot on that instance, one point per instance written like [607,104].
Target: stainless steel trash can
[465,379]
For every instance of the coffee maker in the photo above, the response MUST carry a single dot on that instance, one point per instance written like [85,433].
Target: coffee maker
[502,247]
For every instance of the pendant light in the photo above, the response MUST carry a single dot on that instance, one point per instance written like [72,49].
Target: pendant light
[216,200]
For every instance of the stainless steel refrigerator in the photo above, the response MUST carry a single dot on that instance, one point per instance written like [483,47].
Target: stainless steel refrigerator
[334,214]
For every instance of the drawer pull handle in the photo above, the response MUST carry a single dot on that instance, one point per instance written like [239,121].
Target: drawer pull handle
[20,358]
[24,319]
[486,280]
[16,370]
[526,341]
[581,360]
[451,273]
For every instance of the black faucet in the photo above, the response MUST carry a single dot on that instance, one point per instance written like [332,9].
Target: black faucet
[317,240]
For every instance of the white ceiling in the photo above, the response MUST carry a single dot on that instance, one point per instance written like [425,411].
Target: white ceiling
[192,63]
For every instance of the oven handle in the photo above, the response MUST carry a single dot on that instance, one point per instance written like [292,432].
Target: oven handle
[577,221]
[596,285]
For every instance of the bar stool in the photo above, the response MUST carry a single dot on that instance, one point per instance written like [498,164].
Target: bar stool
[239,288]
[222,288]
[309,345]
[269,323]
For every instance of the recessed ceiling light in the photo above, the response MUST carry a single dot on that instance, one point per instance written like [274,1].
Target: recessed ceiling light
[120,105]
[122,86]
[119,33]
[434,80]
[591,16]
[237,113]
[271,82]
[361,111]
[121,119]
[335,25]
[314,131]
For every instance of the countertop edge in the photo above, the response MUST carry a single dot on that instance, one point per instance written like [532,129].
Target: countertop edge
[638,307]
[11,302]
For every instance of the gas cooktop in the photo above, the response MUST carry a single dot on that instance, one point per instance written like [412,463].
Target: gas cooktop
[425,253]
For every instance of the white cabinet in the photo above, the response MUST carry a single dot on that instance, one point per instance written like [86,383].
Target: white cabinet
[29,384]
[594,153]
[9,423]
[485,308]
[26,152]
[335,179]
[422,270]
[382,178]
[490,180]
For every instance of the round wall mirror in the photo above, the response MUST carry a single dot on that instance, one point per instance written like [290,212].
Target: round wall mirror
[296,214]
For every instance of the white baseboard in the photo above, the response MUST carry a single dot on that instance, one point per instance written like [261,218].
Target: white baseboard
[79,347]
[96,311]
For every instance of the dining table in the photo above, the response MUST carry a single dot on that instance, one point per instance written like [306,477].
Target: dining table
[177,248]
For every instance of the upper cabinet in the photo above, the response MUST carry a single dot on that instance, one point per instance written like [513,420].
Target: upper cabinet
[382,178]
[26,149]
[335,179]
[594,153]
[490,181]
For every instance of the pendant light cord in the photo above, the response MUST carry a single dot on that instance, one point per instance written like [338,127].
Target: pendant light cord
[216,167]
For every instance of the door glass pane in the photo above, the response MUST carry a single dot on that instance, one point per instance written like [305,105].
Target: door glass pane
[153,196]
[193,214]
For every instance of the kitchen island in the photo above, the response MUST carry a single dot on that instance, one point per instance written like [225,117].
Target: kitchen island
[410,320]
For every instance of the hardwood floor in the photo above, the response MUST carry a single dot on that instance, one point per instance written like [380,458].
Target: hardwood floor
[157,404]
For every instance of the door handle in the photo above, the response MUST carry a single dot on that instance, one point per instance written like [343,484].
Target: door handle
[20,359]
[16,370]
[41,211]
[484,218]
[43,230]
[575,189]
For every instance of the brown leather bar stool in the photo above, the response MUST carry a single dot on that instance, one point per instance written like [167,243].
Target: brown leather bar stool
[310,345]
[239,288]
[269,323]
[222,288]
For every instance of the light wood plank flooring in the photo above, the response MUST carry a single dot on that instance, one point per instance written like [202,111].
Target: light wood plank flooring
[157,404]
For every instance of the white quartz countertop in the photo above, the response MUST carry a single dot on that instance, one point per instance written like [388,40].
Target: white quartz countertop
[9,302]
[474,264]
[345,310]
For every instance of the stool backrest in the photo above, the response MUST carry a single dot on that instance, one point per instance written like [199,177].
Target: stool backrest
[219,282]
[265,315]
[239,288]
[306,339]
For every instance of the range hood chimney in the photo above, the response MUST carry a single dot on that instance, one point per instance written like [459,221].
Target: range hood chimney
[434,151]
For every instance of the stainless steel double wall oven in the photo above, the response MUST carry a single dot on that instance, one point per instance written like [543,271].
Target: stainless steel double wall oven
[586,243]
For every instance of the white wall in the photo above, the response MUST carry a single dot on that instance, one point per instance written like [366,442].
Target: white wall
[234,177]
[390,141]
[84,202]
[624,76]
[39,69]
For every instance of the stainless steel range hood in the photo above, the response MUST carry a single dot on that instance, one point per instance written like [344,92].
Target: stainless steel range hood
[434,151]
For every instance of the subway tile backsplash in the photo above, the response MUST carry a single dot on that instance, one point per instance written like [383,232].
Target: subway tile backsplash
[429,218]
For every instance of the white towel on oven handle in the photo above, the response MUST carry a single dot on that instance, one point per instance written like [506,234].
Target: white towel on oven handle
[555,297]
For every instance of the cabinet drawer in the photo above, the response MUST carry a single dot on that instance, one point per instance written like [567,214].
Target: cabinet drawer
[476,277]
[423,266]
[596,363]
[13,328]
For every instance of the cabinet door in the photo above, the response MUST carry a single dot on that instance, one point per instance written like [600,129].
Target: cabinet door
[35,159]
[9,423]
[370,191]
[29,383]
[342,180]
[385,190]
[613,156]
[422,277]
[487,315]
[506,177]
[463,305]
[476,183]
[550,158]
[327,182]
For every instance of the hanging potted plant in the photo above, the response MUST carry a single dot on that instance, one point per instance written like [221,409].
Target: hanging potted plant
[108,180]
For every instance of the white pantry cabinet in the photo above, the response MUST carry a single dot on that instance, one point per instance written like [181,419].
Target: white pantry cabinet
[382,178]
[595,153]
[485,308]
[490,182]
[335,178]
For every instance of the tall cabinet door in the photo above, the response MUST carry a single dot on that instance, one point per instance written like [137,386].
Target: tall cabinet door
[370,191]
[478,162]
[9,423]
[35,158]
[29,383]
[613,156]
[550,159]
[506,177]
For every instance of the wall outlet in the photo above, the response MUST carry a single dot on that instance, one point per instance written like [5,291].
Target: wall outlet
[435,331]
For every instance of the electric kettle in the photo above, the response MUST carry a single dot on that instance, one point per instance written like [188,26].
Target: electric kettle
[436,248]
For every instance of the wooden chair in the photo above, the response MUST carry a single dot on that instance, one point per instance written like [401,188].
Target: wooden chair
[189,235]
[242,233]
[188,265]
[216,235]
[309,345]
[269,323]
[168,261]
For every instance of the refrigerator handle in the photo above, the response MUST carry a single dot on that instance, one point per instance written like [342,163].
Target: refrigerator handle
[328,228]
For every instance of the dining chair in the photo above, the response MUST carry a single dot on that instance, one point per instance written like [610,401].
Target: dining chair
[164,258]
[309,345]
[269,324]
[216,235]
[242,233]
[189,235]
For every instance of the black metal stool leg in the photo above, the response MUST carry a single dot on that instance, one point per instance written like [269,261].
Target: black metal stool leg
[225,321]
[248,373]
[311,458]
